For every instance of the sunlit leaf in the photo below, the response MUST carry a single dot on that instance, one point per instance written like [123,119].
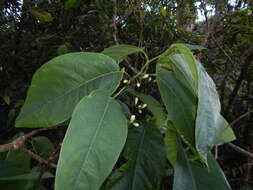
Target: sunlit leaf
[95,137]
[60,84]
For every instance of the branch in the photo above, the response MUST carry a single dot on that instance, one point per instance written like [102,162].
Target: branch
[243,73]
[36,157]
[17,143]
[128,12]
[240,150]
[241,117]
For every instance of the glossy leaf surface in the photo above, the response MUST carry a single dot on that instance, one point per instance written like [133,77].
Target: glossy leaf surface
[95,137]
[146,157]
[211,128]
[192,175]
[180,102]
[60,84]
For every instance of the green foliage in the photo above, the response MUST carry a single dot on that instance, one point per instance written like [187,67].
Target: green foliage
[71,77]
[96,117]
[33,32]
[97,131]
[119,52]
[191,175]
[146,163]
[42,146]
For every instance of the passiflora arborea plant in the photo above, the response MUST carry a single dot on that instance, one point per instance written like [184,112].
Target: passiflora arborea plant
[85,89]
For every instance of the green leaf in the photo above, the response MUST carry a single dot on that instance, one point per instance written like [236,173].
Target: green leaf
[69,4]
[193,176]
[63,49]
[145,152]
[7,100]
[120,52]
[211,128]
[19,159]
[180,102]
[171,142]
[40,15]
[60,84]
[153,105]
[42,146]
[181,62]
[95,137]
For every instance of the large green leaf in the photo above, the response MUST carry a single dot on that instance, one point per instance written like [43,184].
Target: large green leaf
[95,137]
[145,152]
[193,176]
[211,128]
[180,102]
[119,52]
[60,84]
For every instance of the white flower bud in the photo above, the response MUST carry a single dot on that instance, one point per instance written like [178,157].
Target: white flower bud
[136,100]
[143,106]
[145,76]
[132,118]
[125,81]
[136,124]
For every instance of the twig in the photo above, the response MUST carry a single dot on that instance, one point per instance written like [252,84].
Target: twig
[114,22]
[17,144]
[36,157]
[241,150]
[51,158]
[241,117]
[128,12]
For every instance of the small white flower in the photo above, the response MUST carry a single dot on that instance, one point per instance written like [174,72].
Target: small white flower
[145,76]
[136,100]
[138,84]
[125,81]
[132,118]
[149,79]
[143,106]
[139,111]
[136,124]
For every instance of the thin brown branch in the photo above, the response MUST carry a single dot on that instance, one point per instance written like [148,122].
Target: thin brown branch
[241,150]
[241,117]
[17,143]
[36,157]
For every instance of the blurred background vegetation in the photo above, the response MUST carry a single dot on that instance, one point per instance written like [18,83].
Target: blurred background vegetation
[34,31]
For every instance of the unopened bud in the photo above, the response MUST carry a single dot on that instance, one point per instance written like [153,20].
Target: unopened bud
[145,76]
[125,81]
[132,118]
[136,124]
[136,100]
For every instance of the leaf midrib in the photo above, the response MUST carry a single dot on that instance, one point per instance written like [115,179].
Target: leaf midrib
[92,141]
[69,91]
